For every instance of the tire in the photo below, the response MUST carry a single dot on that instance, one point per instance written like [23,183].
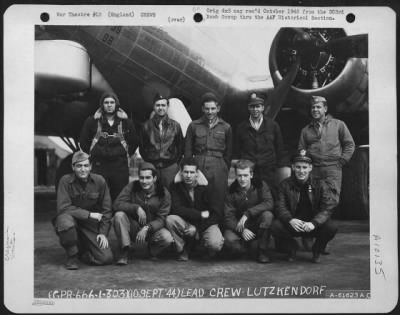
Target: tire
[354,203]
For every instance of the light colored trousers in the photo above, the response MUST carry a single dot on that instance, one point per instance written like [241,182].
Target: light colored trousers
[127,228]
[211,238]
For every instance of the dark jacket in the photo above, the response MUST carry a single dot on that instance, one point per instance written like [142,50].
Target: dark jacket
[334,146]
[161,151]
[320,194]
[79,200]
[108,148]
[189,210]
[252,203]
[202,140]
[263,146]
[157,207]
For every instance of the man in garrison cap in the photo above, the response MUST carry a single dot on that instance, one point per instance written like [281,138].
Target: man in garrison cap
[303,208]
[140,211]
[329,143]
[161,141]
[259,139]
[84,215]
[209,141]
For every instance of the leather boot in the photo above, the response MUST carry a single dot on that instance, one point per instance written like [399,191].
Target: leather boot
[263,241]
[72,263]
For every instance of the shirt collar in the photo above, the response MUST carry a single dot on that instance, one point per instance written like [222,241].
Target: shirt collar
[150,193]
[205,120]
[299,185]
[242,190]
[256,125]
[315,123]
[158,120]
[104,120]
[75,179]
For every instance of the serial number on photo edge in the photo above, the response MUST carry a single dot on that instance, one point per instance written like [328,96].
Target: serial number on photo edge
[348,294]
[108,294]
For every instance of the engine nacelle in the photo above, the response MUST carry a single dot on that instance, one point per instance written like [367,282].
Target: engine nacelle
[342,81]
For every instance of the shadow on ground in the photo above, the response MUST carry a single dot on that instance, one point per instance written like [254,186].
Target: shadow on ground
[346,268]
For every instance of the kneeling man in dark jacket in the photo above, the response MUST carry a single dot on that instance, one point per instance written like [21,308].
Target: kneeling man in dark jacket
[304,207]
[248,212]
[193,217]
[140,212]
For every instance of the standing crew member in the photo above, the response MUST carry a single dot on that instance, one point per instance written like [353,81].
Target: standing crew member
[161,141]
[84,215]
[140,212]
[259,139]
[248,212]
[304,207]
[209,140]
[110,138]
[329,143]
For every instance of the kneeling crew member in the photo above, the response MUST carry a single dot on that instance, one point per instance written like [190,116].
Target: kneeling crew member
[304,207]
[140,212]
[192,215]
[84,215]
[248,212]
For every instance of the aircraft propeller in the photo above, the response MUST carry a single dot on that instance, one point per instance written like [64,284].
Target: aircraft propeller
[354,46]
[311,52]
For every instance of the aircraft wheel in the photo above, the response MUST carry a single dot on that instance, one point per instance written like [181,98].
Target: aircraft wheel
[355,186]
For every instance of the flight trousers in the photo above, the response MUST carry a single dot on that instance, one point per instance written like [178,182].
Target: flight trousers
[79,237]
[322,234]
[211,238]
[116,175]
[167,174]
[127,228]
[260,225]
[216,171]
[332,174]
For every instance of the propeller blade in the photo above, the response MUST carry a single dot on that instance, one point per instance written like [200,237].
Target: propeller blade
[277,98]
[354,46]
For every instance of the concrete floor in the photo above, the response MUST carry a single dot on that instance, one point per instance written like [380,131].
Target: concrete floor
[346,268]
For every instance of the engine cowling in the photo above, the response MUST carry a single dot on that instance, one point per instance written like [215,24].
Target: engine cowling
[342,81]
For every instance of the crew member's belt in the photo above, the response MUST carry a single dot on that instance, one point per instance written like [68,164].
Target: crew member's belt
[212,153]
[163,164]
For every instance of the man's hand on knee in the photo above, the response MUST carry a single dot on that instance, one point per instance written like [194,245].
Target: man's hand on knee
[102,240]
[248,235]
[190,231]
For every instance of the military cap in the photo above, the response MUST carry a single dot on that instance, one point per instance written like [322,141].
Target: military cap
[147,166]
[301,156]
[255,99]
[79,156]
[209,97]
[318,99]
[159,97]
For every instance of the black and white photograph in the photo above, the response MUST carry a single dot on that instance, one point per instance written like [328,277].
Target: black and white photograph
[201,159]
